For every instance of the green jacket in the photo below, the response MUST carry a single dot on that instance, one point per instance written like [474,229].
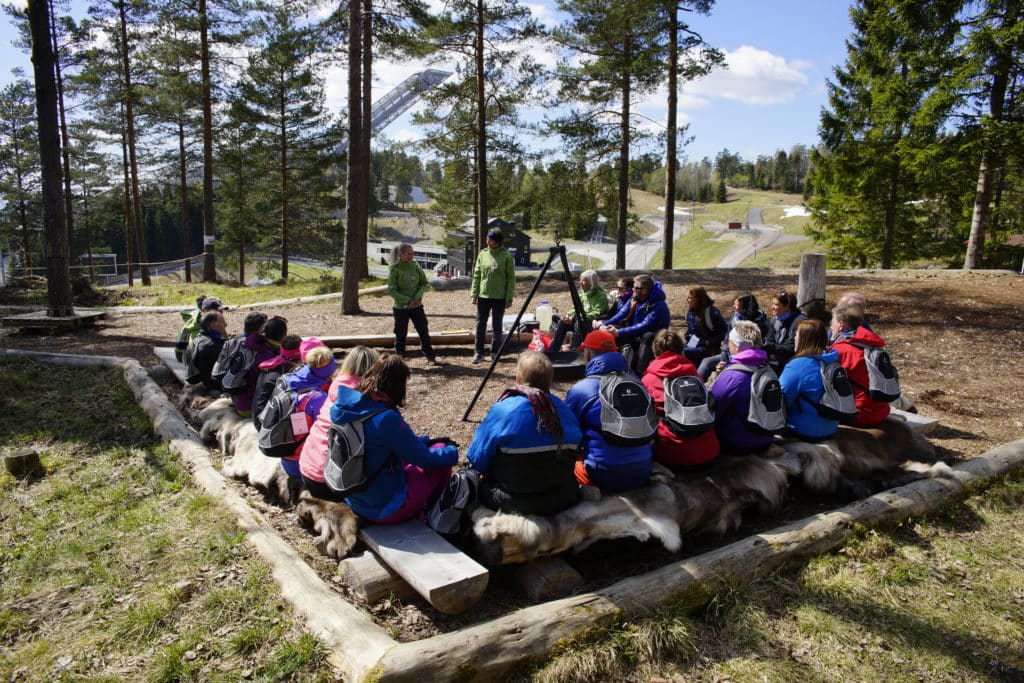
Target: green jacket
[406,281]
[494,276]
[595,302]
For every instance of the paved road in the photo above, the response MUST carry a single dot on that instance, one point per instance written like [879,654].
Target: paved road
[638,253]
[758,235]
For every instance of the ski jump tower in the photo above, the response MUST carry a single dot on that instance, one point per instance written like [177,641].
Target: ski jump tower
[401,98]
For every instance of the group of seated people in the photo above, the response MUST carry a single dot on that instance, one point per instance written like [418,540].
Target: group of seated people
[637,310]
[534,452]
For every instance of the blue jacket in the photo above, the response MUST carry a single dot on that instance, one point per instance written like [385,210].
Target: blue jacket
[318,379]
[649,315]
[612,468]
[717,328]
[525,469]
[801,384]
[732,404]
[390,443]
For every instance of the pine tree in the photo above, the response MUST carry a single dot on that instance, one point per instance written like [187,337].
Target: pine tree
[20,192]
[282,93]
[875,123]
[615,55]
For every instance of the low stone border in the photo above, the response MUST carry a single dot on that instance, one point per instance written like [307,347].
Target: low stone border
[361,650]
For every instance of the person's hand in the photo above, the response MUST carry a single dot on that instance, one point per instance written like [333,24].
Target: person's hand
[508,303]
[413,303]
[720,366]
[612,330]
[474,300]
[597,325]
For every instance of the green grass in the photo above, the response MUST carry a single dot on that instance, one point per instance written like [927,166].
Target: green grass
[112,565]
[307,283]
[784,256]
[936,599]
[696,249]
[588,262]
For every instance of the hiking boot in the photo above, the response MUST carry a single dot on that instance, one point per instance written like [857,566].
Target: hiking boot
[478,358]
[431,360]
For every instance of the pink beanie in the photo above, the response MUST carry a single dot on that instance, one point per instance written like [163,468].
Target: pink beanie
[307,345]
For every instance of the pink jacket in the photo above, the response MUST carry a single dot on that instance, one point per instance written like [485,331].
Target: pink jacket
[313,456]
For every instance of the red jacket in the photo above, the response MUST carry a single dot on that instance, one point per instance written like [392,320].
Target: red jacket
[669,447]
[869,412]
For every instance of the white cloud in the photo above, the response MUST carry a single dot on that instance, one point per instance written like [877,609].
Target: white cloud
[755,77]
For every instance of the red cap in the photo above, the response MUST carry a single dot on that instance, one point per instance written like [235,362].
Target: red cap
[599,340]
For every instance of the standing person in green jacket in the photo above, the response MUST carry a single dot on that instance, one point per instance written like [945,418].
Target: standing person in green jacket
[407,284]
[595,305]
[494,282]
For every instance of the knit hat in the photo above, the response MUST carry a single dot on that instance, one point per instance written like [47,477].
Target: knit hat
[211,303]
[600,340]
[307,345]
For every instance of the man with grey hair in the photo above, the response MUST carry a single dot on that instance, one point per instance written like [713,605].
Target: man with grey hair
[595,305]
[849,337]
[856,298]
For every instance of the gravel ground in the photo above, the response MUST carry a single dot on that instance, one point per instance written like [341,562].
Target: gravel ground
[956,337]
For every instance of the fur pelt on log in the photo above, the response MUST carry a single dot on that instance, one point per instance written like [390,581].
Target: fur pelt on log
[860,461]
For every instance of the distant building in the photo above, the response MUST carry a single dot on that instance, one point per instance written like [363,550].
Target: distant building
[462,258]
[432,257]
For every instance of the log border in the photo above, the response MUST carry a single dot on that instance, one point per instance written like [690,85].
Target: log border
[362,650]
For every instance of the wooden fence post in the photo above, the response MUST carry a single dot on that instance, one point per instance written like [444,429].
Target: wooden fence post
[810,296]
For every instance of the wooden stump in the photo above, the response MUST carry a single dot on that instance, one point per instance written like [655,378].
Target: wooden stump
[546,578]
[23,463]
[810,296]
[373,580]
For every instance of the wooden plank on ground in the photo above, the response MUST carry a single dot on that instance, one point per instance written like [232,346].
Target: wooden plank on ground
[373,580]
[923,424]
[166,354]
[448,578]
[455,338]
[41,321]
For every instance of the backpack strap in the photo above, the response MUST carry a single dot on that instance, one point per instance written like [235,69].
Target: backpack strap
[746,369]
[391,456]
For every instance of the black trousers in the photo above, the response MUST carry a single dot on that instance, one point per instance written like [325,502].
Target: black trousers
[496,309]
[419,320]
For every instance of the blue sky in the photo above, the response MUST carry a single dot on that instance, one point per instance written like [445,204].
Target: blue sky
[780,53]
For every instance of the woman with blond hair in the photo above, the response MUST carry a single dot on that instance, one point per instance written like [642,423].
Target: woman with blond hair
[407,283]
[526,446]
[313,456]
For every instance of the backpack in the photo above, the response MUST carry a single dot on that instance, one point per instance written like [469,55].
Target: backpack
[188,358]
[181,346]
[628,417]
[233,363]
[278,438]
[345,469]
[883,378]
[767,411]
[837,402]
[447,515]
[689,407]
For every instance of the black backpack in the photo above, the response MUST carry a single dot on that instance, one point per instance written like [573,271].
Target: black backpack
[689,406]
[345,469]
[278,437]
[628,417]
[233,364]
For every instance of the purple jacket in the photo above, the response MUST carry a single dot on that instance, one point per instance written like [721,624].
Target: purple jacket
[732,401]
[264,351]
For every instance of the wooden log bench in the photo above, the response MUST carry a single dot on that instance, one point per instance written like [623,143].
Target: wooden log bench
[166,355]
[921,423]
[446,577]
[41,321]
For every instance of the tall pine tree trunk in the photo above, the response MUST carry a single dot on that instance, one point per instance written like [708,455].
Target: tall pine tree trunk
[283,113]
[356,170]
[133,161]
[58,261]
[364,234]
[26,242]
[128,222]
[183,183]
[671,160]
[623,194]
[209,230]
[890,217]
[65,140]
[481,130]
[987,169]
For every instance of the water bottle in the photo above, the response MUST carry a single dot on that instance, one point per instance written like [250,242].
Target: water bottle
[543,315]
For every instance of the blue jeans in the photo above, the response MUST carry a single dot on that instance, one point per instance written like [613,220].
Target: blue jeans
[496,309]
